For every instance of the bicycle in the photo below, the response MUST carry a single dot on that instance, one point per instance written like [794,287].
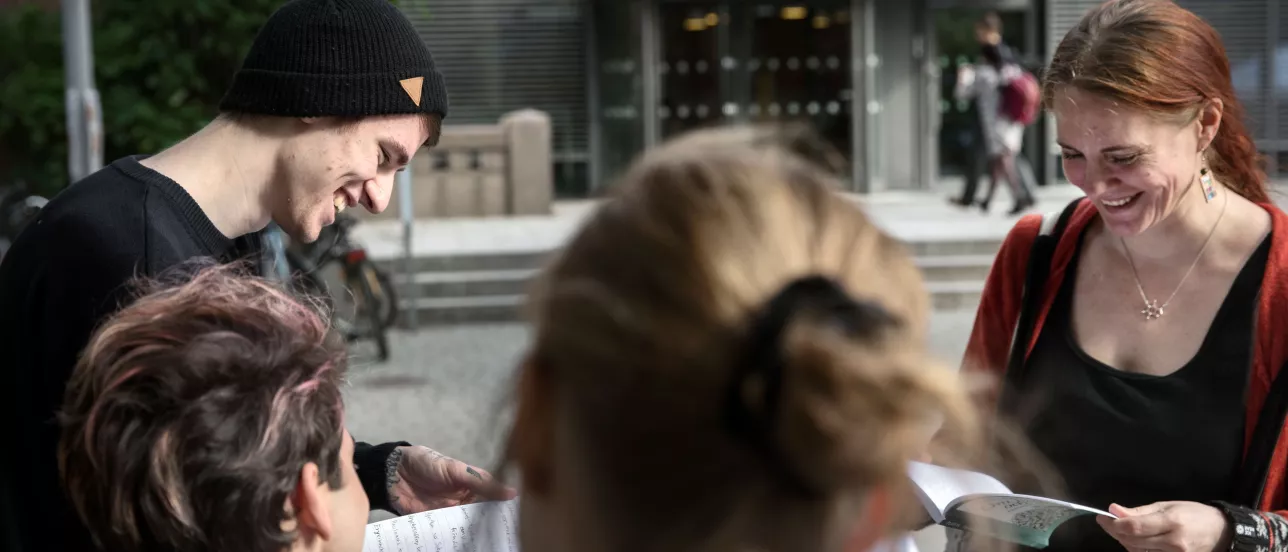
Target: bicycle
[375,304]
[17,208]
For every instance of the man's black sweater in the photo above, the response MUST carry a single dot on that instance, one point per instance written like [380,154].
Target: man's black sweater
[66,273]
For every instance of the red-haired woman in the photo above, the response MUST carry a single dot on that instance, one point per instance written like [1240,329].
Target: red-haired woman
[1140,349]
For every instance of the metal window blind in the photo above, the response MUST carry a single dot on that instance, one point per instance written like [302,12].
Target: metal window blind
[501,55]
[1278,77]
[1245,27]
[1062,15]
[1245,34]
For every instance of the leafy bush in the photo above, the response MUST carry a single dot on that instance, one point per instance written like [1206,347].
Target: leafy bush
[160,68]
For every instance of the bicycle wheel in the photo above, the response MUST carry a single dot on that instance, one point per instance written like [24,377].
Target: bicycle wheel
[306,279]
[370,305]
[385,295]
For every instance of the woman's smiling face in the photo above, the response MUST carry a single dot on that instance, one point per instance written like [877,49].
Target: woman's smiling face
[1136,167]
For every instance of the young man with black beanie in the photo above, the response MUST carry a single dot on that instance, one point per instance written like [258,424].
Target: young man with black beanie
[332,100]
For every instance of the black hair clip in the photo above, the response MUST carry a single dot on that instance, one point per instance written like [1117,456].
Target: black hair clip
[754,393]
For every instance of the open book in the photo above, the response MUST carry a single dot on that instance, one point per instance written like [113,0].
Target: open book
[483,527]
[979,503]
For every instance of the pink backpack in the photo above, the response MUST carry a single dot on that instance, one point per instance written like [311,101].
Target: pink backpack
[1021,99]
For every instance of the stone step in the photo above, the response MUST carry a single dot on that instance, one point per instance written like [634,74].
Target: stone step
[469,262]
[465,310]
[955,295]
[524,260]
[945,296]
[468,283]
[491,287]
[954,247]
[955,268]
[471,283]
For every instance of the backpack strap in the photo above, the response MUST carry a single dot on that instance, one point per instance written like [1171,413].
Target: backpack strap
[1039,267]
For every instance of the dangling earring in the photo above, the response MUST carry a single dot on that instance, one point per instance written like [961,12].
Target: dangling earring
[1205,179]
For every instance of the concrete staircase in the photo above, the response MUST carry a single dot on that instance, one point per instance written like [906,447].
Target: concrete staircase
[461,289]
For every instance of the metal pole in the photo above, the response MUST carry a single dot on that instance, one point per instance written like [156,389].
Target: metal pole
[84,113]
[648,65]
[406,214]
[595,152]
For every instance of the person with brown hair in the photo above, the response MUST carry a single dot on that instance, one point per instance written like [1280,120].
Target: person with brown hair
[727,356]
[333,98]
[208,416]
[1139,332]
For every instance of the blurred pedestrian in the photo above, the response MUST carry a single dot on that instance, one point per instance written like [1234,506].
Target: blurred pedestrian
[998,135]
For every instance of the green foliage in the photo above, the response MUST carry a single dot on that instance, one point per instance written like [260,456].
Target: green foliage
[33,138]
[160,68]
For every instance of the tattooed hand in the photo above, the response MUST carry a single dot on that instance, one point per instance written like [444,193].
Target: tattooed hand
[1169,527]
[420,479]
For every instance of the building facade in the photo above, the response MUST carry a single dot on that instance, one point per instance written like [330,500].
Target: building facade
[873,76]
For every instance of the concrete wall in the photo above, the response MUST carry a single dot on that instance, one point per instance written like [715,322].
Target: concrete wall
[896,135]
[502,169]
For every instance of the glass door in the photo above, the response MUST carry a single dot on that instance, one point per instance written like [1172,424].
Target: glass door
[798,61]
[691,80]
[732,61]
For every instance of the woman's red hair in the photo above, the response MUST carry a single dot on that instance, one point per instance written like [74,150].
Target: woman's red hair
[1160,57]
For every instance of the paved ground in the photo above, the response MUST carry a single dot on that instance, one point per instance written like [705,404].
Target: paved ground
[449,387]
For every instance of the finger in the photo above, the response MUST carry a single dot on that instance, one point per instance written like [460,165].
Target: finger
[1145,510]
[481,483]
[1119,511]
[1135,543]
[1160,543]
[1140,526]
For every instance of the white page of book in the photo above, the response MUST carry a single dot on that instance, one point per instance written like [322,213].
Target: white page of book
[484,527]
[1005,508]
[940,486]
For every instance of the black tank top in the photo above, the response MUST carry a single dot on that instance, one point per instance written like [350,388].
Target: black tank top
[1135,439]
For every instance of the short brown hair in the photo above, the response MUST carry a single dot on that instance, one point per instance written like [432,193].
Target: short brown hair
[191,413]
[1156,56]
[644,318]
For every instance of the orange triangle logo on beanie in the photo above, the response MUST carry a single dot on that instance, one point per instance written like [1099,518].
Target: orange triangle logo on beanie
[412,87]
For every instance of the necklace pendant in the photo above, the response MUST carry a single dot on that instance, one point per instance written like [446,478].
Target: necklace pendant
[1152,311]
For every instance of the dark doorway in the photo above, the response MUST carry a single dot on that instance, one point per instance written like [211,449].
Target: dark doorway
[737,61]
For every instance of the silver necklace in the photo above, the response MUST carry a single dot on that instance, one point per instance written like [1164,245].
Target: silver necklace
[1153,310]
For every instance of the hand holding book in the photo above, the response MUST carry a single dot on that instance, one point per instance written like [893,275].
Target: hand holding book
[1169,527]
[979,503]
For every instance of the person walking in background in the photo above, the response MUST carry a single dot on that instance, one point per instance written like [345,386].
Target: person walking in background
[727,356]
[1005,98]
[332,99]
[1140,341]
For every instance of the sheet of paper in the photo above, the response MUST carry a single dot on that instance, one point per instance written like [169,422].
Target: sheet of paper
[1023,519]
[485,527]
[1030,511]
[940,486]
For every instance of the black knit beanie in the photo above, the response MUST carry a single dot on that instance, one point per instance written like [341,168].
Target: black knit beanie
[346,58]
